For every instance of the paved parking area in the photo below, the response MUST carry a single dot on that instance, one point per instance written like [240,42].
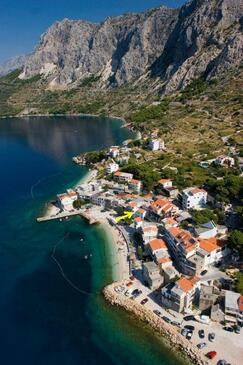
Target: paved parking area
[228,345]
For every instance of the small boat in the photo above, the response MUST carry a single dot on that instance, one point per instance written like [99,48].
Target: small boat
[60,219]
[86,257]
[81,239]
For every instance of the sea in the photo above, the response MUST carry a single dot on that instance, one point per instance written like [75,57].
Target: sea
[52,311]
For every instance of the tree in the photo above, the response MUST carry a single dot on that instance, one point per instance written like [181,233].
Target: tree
[239,283]
[236,241]
[203,216]
[77,204]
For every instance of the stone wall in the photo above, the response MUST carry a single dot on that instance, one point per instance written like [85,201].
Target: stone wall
[169,332]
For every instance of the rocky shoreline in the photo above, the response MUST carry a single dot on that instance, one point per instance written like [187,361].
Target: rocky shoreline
[168,332]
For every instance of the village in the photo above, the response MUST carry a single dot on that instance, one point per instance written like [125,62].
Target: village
[180,269]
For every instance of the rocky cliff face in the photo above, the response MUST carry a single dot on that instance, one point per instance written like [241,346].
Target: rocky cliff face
[118,50]
[206,41]
[13,64]
[203,38]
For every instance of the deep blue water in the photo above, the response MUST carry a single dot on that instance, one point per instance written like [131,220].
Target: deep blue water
[43,320]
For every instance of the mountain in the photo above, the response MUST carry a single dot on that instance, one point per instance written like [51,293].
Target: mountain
[206,41]
[12,64]
[118,50]
[174,46]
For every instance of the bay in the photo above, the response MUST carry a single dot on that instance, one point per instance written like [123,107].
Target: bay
[43,319]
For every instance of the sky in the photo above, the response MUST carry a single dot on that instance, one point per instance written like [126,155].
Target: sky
[23,21]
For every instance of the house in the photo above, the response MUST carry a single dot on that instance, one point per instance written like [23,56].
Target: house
[149,233]
[151,275]
[135,185]
[123,176]
[193,198]
[141,213]
[114,151]
[233,308]
[112,167]
[215,250]
[169,273]
[166,183]
[138,222]
[182,245]
[164,208]
[180,296]
[169,223]
[217,314]
[156,246]
[208,297]
[225,161]
[206,230]
[65,202]
[73,195]
[156,145]
[132,206]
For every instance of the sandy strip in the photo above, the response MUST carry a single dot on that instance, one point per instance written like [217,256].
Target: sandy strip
[119,251]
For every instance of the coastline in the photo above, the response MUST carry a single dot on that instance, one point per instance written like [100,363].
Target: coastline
[141,313]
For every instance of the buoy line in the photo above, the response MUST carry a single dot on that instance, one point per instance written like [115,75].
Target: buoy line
[40,181]
[62,271]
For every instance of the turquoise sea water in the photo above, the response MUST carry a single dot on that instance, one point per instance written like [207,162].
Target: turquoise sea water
[44,320]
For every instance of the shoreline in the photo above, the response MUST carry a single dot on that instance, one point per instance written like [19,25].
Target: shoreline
[170,335]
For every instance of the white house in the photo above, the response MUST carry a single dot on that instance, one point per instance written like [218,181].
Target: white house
[149,233]
[114,151]
[166,183]
[65,201]
[123,176]
[193,198]
[156,145]
[212,250]
[225,161]
[112,167]
[141,213]
[135,185]
[206,230]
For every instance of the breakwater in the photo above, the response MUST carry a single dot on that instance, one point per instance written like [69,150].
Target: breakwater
[168,332]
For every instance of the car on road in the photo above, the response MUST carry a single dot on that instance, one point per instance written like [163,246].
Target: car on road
[136,293]
[211,354]
[237,329]
[211,336]
[157,312]
[189,318]
[144,301]
[201,333]
[166,319]
[229,329]
[201,345]
[204,272]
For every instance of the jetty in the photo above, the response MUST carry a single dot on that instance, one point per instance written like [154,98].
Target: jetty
[65,214]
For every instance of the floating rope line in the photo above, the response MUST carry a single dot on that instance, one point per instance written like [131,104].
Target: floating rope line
[39,182]
[62,271]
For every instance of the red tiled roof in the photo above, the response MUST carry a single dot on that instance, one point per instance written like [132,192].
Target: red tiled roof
[240,303]
[187,284]
[211,244]
[157,244]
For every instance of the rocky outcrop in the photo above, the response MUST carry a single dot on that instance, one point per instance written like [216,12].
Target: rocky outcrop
[168,332]
[206,41]
[174,46]
[12,64]
[119,50]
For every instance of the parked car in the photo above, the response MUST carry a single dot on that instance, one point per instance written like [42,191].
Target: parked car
[189,327]
[201,345]
[201,333]
[221,362]
[157,312]
[204,272]
[144,301]
[211,354]
[175,323]
[211,336]
[184,332]
[237,329]
[189,335]
[189,318]
[136,292]
[166,319]
[229,329]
